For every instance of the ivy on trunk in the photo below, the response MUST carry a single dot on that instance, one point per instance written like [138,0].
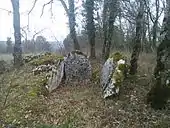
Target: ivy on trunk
[160,91]
[17,53]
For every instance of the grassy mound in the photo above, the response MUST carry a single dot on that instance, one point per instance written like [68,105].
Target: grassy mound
[22,104]
[46,59]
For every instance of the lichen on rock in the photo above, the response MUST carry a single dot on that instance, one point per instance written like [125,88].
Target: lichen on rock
[46,59]
[55,77]
[113,74]
[77,66]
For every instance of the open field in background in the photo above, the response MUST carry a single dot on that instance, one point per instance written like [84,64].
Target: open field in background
[82,106]
[6,57]
[9,57]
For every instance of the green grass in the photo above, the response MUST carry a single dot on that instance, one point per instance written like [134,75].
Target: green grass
[79,106]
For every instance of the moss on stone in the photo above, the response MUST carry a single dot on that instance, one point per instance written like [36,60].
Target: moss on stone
[78,52]
[96,76]
[117,56]
[118,77]
[46,59]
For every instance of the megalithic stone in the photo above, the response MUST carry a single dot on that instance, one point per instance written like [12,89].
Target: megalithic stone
[112,76]
[77,66]
[56,77]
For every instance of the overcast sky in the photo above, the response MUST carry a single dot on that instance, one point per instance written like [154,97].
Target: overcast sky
[55,27]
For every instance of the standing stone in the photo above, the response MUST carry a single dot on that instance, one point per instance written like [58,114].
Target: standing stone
[112,75]
[56,76]
[77,67]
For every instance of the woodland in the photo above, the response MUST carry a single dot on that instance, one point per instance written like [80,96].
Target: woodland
[114,73]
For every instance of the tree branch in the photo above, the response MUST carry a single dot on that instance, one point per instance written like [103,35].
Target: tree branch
[38,33]
[6,10]
[65,7]
[32,6]
[22,29]
[150,14]
[51,1]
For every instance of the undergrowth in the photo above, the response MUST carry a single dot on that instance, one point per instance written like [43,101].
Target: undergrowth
[25,103]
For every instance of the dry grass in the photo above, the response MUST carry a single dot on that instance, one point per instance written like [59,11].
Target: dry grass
[84,107]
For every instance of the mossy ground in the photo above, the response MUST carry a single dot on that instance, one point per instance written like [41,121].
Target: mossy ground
[80,106]
[46,59]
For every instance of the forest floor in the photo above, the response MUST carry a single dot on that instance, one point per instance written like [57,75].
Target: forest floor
[79,106]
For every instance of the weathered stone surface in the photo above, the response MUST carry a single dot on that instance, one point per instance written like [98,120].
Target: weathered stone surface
[112,75]
[74,67]
[43,68]
[77,66]
[55,77]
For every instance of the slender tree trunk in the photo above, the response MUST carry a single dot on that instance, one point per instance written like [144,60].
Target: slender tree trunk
[137,43]
[155,25]
[105,9]
[110,30]
[160,92]
[72,24]
[149,33]
[113,9]
[149,46]
[90,26]
[17,34]
[154,34]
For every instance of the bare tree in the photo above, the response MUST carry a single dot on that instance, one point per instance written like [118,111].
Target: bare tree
[154,19]
[89,7]
[160,92]
[17,34]
[137,42]
[70,11]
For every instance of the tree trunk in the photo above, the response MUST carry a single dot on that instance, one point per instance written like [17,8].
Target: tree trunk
[105,9]
[149,45]
[90,26]
[72,24]
[17,34]
[160,92]
[108,37]
[137,43]
[155,24]
[154,34]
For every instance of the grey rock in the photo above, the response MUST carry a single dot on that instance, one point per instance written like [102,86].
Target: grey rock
[75,67]
[109,76]
[55,77]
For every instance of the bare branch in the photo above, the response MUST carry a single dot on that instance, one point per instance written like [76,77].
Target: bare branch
[6,10]
[22,29]
[38,33]
[149,11]
[32,6]
[51,9]
[65,6]
[51,1]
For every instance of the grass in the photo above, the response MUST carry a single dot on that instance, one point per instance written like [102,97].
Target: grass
[9,57]
[6,57]
[80,106]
